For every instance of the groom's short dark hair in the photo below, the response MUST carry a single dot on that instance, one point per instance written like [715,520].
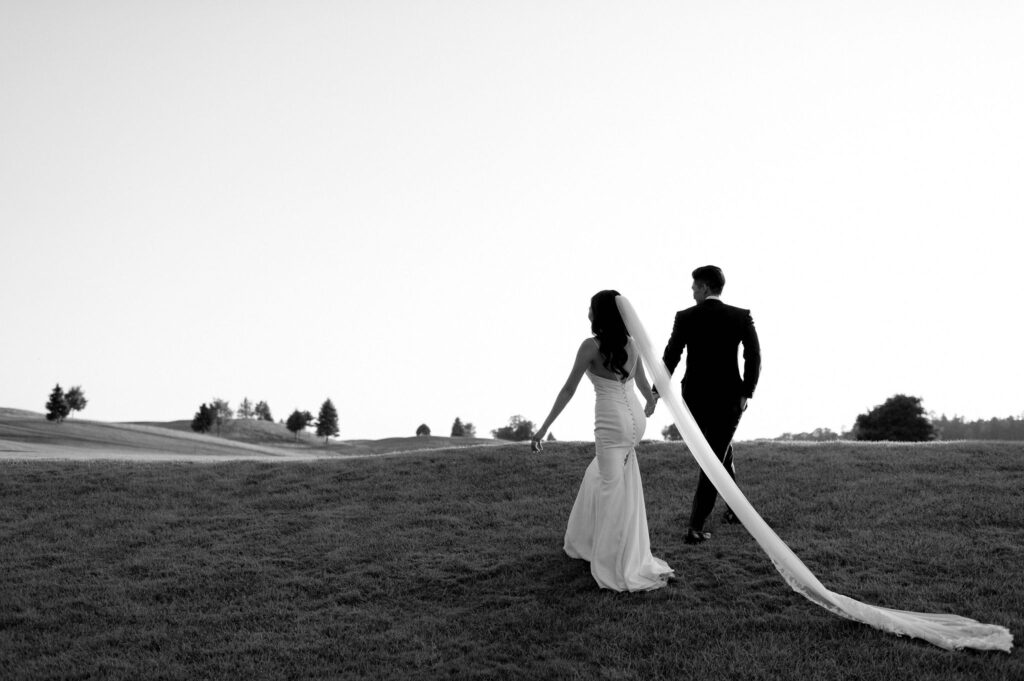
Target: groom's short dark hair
[712,276]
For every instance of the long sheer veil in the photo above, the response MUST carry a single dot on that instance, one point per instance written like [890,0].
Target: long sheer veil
[951,632]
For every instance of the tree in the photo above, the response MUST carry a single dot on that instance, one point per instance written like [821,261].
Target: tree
[298,421]
[203,420]
[468,430]
[670,432]
[551,436]
[57,407]
[327,422]
[76,399]
[458,430]
[221,412]
[246,411]
[221,408]
[517,430]
[263,411]
[900,418]
[423,430]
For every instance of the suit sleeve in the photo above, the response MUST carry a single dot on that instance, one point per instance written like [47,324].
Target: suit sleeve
[676,343]
[751,357]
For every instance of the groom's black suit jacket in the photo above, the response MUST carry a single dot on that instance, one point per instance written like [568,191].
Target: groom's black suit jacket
[712,333]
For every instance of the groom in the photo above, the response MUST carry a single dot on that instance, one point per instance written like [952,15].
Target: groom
[713,389]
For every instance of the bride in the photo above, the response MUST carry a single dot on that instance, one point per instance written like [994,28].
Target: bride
[608,522]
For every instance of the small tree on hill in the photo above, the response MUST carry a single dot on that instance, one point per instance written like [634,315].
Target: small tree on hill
[221,412]
[76,399]
[457,428]
[423,430]
[517,430]
[670,432]
[263,411]
[298,421]
[551,436]
[245,411]
[900,418]
[203,419]
[327,422]
[57,407]
[468,430]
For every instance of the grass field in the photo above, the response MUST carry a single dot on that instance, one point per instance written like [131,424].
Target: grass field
[448,564]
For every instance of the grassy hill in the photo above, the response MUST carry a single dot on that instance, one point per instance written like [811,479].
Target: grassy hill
[449,565]
[29,434]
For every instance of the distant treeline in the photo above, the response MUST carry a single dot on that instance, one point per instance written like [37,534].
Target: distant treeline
[945,428]
[1010,428]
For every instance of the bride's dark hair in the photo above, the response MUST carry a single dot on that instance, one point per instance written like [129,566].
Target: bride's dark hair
[610,331]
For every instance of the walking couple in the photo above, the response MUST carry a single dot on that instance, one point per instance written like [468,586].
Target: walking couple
[608,522]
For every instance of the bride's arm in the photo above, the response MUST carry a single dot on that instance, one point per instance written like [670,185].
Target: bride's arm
[584,356]
[645,387]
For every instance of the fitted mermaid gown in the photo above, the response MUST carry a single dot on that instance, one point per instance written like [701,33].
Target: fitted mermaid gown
[608,522]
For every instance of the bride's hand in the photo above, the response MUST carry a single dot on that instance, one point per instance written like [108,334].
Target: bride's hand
[649,409]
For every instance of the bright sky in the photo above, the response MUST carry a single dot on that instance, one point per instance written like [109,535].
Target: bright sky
[406,206]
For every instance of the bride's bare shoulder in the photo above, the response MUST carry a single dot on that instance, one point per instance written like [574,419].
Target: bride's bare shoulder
[589,347]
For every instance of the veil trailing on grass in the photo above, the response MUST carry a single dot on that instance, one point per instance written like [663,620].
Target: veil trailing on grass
[951,632]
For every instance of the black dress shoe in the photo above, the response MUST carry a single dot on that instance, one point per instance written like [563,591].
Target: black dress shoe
[695,537]
[730,518]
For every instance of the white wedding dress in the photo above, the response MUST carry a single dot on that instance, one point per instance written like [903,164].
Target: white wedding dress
[608,522]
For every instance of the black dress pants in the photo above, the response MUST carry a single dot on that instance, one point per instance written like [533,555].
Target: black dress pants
[718,422]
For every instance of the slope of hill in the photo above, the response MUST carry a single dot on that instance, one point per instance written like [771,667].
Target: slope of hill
[25,434]
[243,430]
[268,433]
[7,411]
